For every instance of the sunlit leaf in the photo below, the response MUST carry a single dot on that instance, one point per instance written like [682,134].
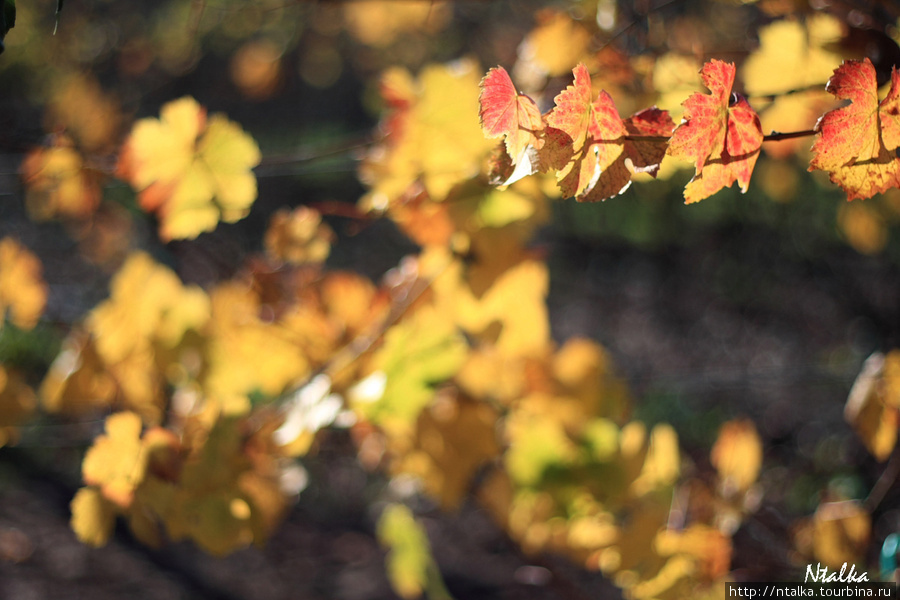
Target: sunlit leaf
[737,455]
[190,170]
[58,184]
[411,569]
[505,112]
[721,134]
[298,236]
[93,517]
[856,144]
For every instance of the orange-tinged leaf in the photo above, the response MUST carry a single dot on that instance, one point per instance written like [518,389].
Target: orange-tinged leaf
[593,129]
[506,112]
[721,134]
[871,409]
[192,171]
[23,292]
[856,144]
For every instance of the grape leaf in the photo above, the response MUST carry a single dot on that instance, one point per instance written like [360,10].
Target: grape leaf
[117,461]
[592,131]
[191,170]
[506,112]
[93,517]
[58,184]
[857,143]
[721,134]
[737,455]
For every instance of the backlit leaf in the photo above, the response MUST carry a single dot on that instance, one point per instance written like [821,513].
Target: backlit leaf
[721,134]
[93,517]
[298,236]
[190,170]
[116,462]
[58,184]
[505,112]
[411,569]
[737,455]
[856,144]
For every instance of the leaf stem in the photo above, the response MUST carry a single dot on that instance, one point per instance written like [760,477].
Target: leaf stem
[775,136]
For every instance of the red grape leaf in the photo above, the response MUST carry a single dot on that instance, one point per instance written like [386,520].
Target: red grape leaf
[504,111]
[595,130]
[857,143]
[720,133]
[644,155]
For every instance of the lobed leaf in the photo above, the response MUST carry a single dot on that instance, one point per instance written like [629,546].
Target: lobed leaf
[505,112]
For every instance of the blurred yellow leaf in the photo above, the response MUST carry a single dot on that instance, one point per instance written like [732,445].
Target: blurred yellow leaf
[537,445]
[77,381]
[58,185]
[708,546]
[841,532]
[420,352]
[192,171]
[298,236]
[245,353]
[863,226]
[256,68]
[737,455]
[662,463]
[453,438]
[93,517]
[379,23]
[116,462]
[411,569]
[23,293]
[793,55]
[874,420]
[555,45]
[434,137]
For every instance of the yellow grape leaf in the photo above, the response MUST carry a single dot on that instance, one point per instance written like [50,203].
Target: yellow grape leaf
[23,293]
[489,374]
[410,566]
[382,22]
[675,77]
[793,55]
[420,352]
[17,403]
[147,303]
[57,184]
[841,532]
[298,236]
[93,517]
[192,171]
[554,46]
[874,420]
[516,302]
[116,462]
[737,455]
[453,438]
[891,374]
[585,371]
[245,353]
[434,137]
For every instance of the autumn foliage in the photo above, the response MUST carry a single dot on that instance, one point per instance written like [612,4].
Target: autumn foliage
[215,391]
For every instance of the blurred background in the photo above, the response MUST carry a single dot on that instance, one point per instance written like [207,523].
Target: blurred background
[761,305]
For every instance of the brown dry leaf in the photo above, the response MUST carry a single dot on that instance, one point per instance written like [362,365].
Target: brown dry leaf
[298,236]
[23,293]
[17,403]
[737,456]
[379,23]
[58,185]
